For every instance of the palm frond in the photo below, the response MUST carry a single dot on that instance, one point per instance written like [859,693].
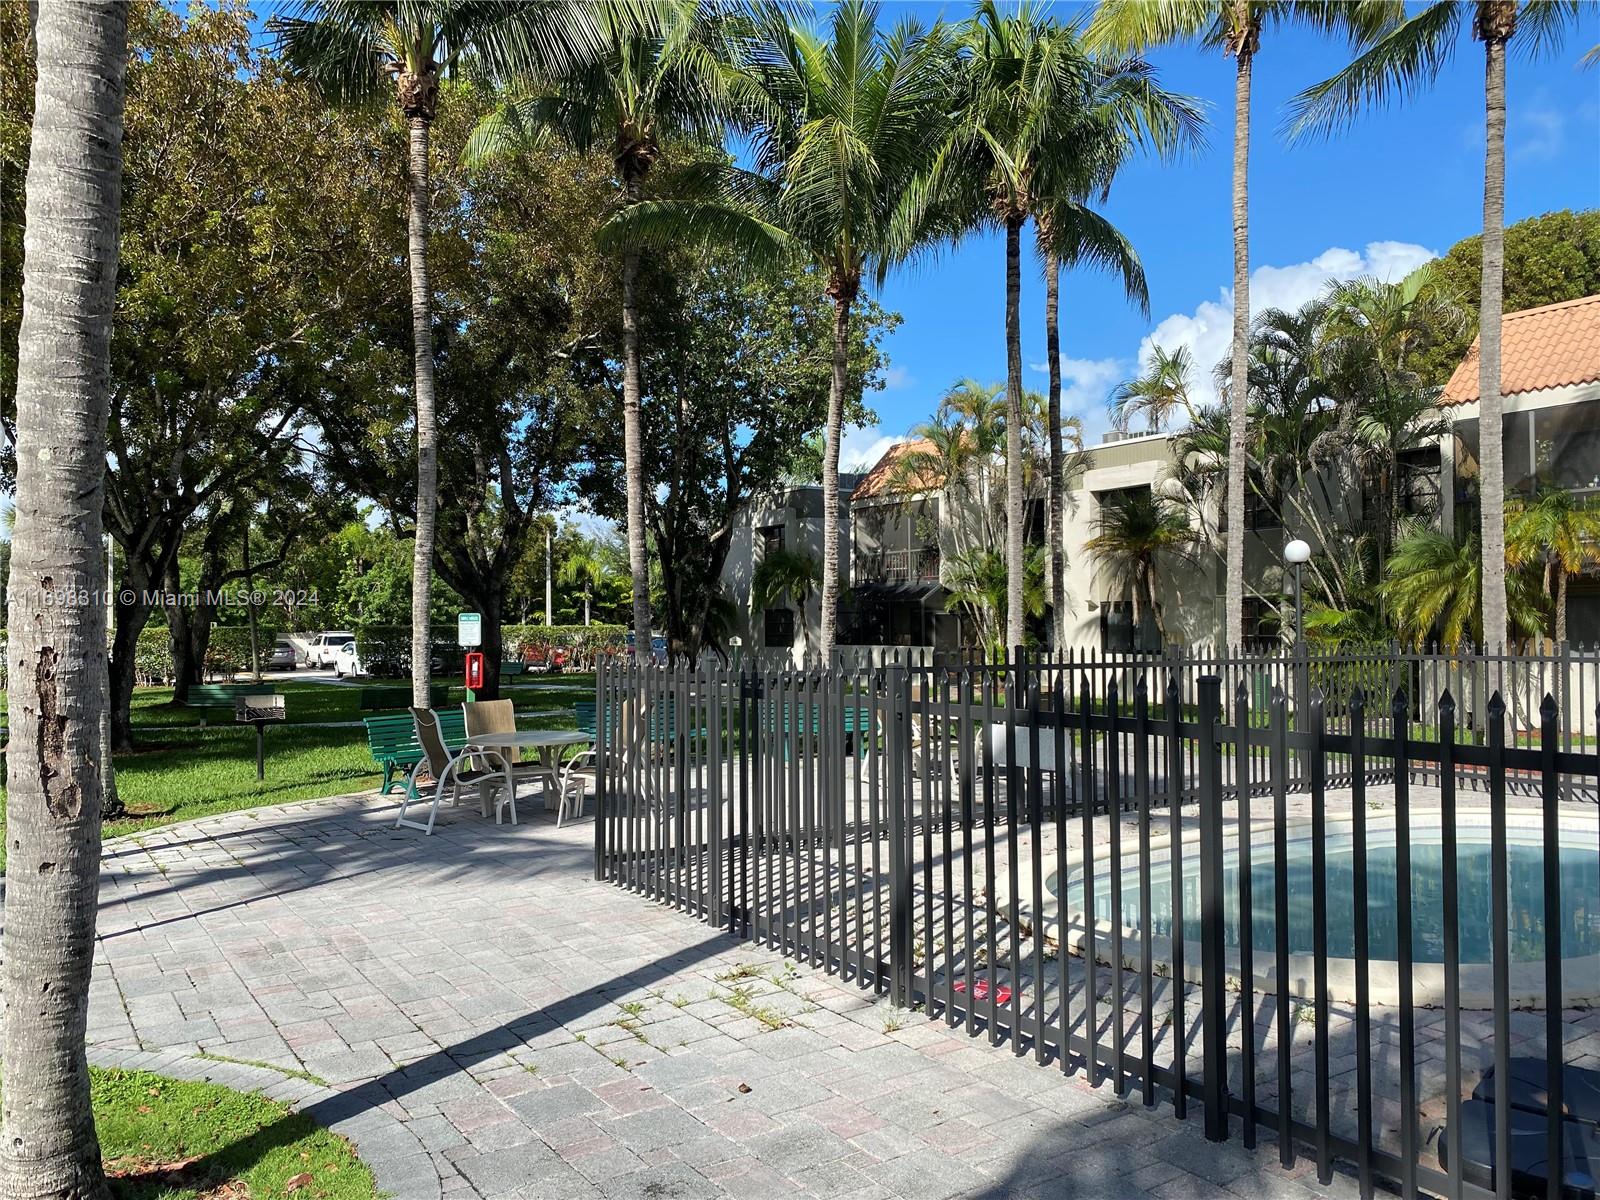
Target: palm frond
[1402,61]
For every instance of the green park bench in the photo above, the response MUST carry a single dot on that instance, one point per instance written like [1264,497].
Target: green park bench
[387,699]
[514,668]
[204,696]
[392,739]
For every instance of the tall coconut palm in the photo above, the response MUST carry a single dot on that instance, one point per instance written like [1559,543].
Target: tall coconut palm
[845,128]
[351,49]
[1559,533]
[1234,27]
[1402,60]
[57,659]
[661,76]
[1035,115]
[1138,531]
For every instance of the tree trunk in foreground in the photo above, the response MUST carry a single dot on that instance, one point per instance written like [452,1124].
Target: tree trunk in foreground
[633,454]
[1492,473]
[1015,618]
[1239,385]
[1057,522]
[842,299]
[57,648]
[427,421]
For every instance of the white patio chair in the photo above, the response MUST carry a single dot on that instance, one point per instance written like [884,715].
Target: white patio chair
[451,770]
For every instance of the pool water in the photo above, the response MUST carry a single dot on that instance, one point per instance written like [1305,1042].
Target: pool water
[1580,897]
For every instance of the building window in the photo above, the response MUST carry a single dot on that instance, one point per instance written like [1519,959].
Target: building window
[778,628]
[771,538]
[1119,635]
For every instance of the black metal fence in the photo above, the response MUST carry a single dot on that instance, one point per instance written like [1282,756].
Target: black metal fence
[1176,883]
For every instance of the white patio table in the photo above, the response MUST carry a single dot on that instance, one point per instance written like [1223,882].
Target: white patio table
[548,742]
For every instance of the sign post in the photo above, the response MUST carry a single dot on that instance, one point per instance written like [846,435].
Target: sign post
[469,634]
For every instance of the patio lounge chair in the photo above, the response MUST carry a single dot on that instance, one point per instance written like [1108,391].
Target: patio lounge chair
[450,770]
[500,716]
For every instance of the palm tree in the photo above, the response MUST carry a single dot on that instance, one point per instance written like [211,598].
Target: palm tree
[979,583]
[1559,533]
[1401,60]
[1234,27]
[350,49]
[662,78]
[1157,394]
[842,138]
[1433,585]
[785,575]
[1041,124]
[53,795]
[586,567]
[964,441]
[1139,529]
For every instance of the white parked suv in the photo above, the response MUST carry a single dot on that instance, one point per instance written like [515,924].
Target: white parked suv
[324,649]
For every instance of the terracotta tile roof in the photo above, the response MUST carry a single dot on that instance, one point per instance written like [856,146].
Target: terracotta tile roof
[884,478]
[1557,345]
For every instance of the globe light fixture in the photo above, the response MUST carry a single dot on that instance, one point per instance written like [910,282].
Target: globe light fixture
[1297,552]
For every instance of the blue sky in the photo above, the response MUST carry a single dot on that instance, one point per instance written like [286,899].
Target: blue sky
[1381,197]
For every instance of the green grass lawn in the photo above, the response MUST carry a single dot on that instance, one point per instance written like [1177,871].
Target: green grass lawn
[168,1139]
[178,771]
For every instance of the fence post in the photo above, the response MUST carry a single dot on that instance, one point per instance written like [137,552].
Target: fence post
[1213,963]
[897,794]
[602,768]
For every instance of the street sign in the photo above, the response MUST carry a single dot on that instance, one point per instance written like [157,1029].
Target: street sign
[469,629]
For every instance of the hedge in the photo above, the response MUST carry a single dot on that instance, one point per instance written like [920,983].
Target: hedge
[386,649]
[227,654]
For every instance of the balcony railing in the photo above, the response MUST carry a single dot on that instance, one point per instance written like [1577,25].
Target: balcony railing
[918,565]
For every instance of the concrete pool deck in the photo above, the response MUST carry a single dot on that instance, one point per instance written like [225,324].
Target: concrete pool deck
[485,1019]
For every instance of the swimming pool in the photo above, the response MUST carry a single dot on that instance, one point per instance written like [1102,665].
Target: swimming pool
[1580,894]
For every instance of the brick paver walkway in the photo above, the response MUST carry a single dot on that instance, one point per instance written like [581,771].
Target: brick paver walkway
[484,1019]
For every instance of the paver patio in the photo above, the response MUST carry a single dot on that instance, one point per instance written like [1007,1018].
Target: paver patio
[483,1018]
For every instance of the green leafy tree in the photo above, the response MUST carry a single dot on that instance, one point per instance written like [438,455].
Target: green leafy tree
[740,365]
[587,567]
[58,693]
[1235,28]
[1548,259]
[1400,60]
[662,78]
[979,582]
[355,50]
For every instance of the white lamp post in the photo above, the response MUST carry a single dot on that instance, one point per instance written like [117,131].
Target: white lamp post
[1297,553]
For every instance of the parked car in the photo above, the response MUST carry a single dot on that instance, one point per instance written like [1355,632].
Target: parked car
[283,657]
[347,660]
[325,647]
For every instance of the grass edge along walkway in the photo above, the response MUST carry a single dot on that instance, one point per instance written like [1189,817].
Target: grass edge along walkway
[177,1139]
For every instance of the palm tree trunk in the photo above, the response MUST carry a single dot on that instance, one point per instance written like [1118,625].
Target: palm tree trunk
[1015,627]
[1239,385]
[830,473]
[633,445]
[1492,475]
[1052,343]
[58,680]
[1561,606]
[427,420]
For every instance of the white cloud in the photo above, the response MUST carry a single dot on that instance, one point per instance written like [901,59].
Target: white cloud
[896,378]
[863,445]
[1208,330]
